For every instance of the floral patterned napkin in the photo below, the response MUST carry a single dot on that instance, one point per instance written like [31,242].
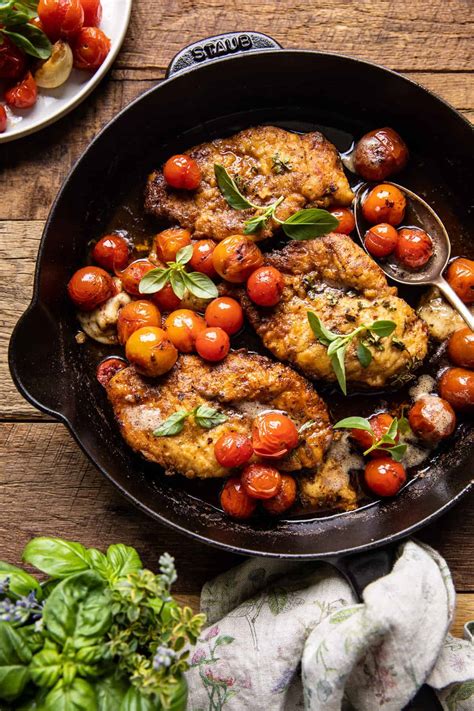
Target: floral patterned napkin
[285,636]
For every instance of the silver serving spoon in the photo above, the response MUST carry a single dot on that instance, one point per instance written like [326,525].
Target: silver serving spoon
[418,214]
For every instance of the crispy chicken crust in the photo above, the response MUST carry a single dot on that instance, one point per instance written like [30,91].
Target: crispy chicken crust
[241,386]
[267,162]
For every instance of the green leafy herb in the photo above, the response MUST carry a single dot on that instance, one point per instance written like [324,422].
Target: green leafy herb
[337,343]
[257,223]
[280,164]
[308,224]
[204,416]
[208,417]
[175,273]
[229,190]
[173,424]
[387,442]
[15,23]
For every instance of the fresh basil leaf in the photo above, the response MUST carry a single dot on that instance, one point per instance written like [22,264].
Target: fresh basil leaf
[200,285]
[20,583]
[354,423]
[177,281]
[398,452]
[337,362]
[208,417]
[255,224]
[184,254]
[335,345]
[98,562]
[382,328]
[5,7]
[34,704]
[392,430]
[364,355]
[385,439]
[14,658]
[110,692]
[123,560]
[309,223]
[56,557]
[154,280]
[319,330]
[76,696]
[173,425]
[403,425]
[46,667]
[135,701]
[229,190]
[31,40]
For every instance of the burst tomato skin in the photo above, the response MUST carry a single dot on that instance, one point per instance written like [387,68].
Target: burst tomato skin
[432,419]
[261,481]
[346,220]
[3,119]
[233,449]
[380,425]
[284,499]
[111,252]
[461,278]
[169,242]
[201,261]
[379,154]
[92,12]
[265,286]
[89,287]
[90,48]
[132,275]
[24,94]
[61,18]
[461,348]
[135,315]
[385,477]
[274,435]
[235,501]
[151,351]
[225,313]
[183,326]
[182,172]
[108,368]
[456,385]
[384,203]
[212,344]
[236,257]
[381,240]
[166,299]
[414,247]
[12,60]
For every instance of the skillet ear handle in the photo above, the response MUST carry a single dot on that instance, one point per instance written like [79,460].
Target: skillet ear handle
[361,569]
[204,51]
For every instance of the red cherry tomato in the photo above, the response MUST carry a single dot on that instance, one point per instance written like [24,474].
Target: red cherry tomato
[456,385]
[213,344]
[111,252]
[233,449]
[385,477]
[61,18]
[265,286]
[182,172]
[90,48]
[225,313]
[201,261]
[12,60]
[432,418]
[235,501]
[3,119]
[284,499]
[261,481]
[346,220]
[381,240]
[461,278]
[414,247]
[89,287]
[183,327]
[273,435]
[132,275]
[169,242]
[92,12]
[384,203]
[461,348]
[24,94]
[108,368]
[135,315]
[380,425]
[166,299]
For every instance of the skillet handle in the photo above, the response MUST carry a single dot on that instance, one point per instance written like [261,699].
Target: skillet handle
[361,569]
[207,50]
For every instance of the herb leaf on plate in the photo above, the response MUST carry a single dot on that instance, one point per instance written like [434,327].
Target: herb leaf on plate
[15,24]
[229,190]
[173,424]
[208,417]
[309,223]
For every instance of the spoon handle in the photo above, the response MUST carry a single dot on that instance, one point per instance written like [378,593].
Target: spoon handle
[455,301]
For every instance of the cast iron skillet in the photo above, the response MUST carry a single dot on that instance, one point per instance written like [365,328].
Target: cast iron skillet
[214,88]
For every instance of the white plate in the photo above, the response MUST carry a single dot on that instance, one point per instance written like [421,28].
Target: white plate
[54,103]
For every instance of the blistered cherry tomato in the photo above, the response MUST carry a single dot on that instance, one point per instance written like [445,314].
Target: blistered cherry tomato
[236,257]
[273,435]
[432,419]
[235,501]
[385,477]
[233,449]
[169,242]
[265,286]
[461,277]
[225,313]
[182,172]
[90,48]
[108,368]
[135,315]
[166,299]
[24,94]
[384,203]
[414,247]
[380,425]
[381,240]
[3,119]
[212,344]
[346,220]
[461,348]
[111,252]
[456,385]
[89,287]
[183,327]
[132,275]
[284,499]
[201,261]
[12,60]
[151,351]
[380,153]
[61,18]
[92,12]
[261,481]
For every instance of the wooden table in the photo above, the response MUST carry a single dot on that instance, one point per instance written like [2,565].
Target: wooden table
[48,486]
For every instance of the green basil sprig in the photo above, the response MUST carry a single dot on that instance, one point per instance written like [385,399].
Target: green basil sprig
[302,225]
[15,23]
[337,343]
[204,416]
[197,284]
[387,442]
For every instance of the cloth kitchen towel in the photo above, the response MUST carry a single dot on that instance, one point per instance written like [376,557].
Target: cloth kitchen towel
[284,636]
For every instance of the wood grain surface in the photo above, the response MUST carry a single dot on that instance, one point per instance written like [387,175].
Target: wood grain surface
[47,484]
